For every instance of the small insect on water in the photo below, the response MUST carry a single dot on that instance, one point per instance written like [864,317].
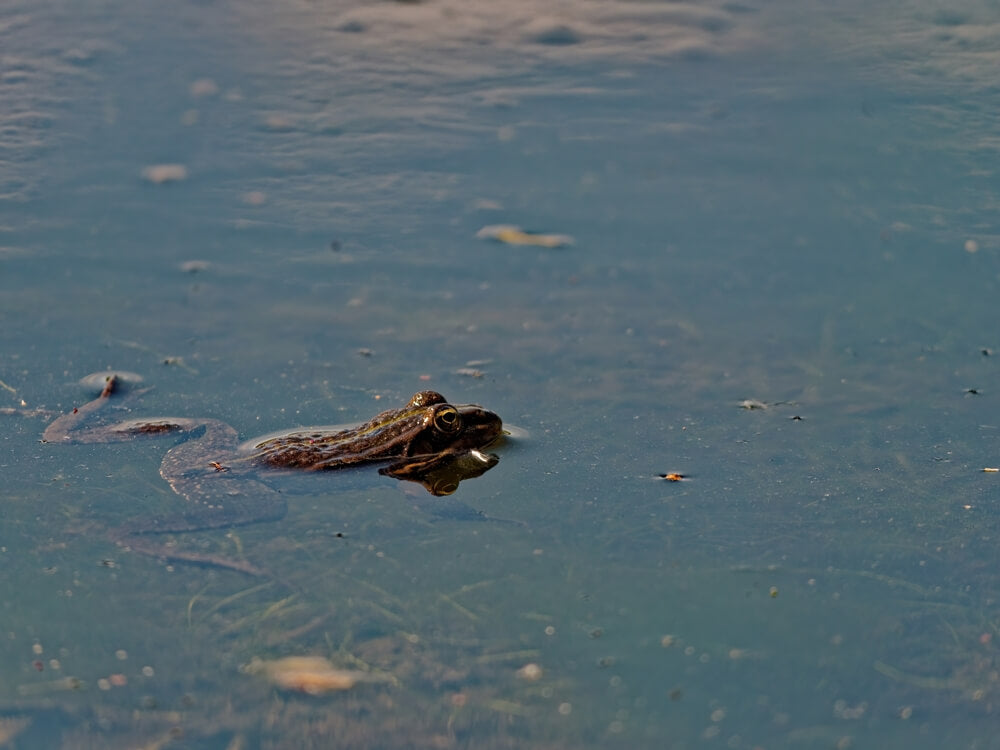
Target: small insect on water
[673,476]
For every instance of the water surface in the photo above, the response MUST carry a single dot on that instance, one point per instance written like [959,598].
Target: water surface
[773,205]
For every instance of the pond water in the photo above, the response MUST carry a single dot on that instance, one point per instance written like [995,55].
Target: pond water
[782,285]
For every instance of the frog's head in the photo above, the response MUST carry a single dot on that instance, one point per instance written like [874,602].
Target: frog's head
[448,428]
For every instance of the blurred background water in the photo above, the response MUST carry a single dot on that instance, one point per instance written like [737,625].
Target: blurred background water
[782,285]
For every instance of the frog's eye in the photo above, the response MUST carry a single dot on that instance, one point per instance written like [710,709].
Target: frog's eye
[447,419]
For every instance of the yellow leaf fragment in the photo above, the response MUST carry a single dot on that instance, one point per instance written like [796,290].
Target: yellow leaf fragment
[314,675]
[511,235]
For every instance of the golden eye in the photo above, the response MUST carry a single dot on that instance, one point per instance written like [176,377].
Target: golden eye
[447,419]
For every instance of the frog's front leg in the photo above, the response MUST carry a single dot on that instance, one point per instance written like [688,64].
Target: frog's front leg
[217,494]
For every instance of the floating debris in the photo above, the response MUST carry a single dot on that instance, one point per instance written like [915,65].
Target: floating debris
[11,726]
[469,372]
[203,87]
[314,675]
[512,235]
[22,411]
[278,124]
[254,198]
[194,266]
[46,688]
[673,476]
[752,403]
[991,469]
[160,173]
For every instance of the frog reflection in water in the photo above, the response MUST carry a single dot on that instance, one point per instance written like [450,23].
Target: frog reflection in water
[428,441]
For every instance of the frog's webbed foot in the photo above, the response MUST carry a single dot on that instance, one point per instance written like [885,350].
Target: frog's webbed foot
[145,546]
[214,501]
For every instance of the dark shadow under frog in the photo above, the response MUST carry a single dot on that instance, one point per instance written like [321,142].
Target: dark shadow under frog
[428,441]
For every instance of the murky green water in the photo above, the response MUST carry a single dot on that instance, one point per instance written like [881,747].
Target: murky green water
[773,205]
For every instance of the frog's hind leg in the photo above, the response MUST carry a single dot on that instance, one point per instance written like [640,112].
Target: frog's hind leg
[76,427]
[213,501]
[214,498]
[68,427]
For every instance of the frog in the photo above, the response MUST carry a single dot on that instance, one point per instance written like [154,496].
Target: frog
[428,441]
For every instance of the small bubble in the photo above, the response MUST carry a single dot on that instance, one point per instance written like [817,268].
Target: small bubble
[147,671]
[103,684]
[161,173]
[203,87]
[565,708]
[121,654]
[37,648]
[550,630]
[530,672]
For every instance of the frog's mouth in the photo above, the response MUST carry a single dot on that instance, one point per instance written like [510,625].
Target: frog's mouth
[481,428]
